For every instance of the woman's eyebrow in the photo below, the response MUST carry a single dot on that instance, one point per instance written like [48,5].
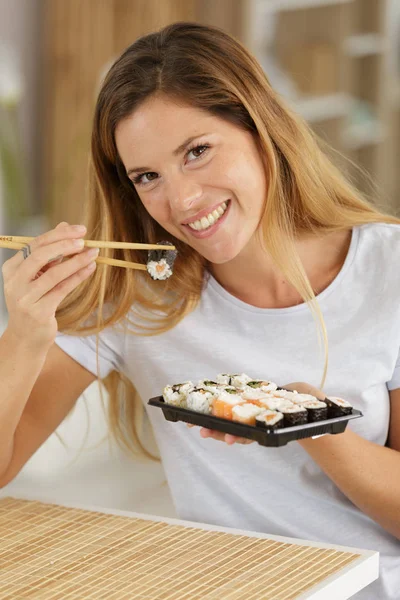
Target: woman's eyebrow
[178,150]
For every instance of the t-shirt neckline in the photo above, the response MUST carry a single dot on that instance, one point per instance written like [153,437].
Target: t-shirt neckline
[221,291]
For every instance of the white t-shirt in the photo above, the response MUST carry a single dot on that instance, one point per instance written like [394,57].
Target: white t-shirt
[280,491]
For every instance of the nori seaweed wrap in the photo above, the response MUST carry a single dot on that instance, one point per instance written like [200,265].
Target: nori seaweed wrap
[160,263]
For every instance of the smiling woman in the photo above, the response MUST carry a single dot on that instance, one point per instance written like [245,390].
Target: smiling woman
[208,191]
[271,238]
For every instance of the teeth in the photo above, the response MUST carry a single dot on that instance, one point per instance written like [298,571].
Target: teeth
[210,219]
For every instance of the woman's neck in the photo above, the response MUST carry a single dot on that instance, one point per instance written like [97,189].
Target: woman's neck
[253,277]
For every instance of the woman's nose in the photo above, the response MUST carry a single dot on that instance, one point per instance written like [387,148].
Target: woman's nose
[184,192]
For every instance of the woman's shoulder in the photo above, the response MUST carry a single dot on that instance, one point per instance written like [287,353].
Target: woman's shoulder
[377,255]
[382,238]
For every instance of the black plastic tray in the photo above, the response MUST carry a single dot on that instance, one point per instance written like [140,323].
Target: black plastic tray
[278,437]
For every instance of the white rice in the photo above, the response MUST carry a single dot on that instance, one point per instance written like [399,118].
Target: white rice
[240,381]
[200,401]
[159,269]
[246,411]
[270,417]
[340,401]
[265,386]
[229,398]
[254,394]
[302,398]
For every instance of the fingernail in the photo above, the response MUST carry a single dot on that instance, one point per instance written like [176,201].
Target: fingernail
[79,243]
[79,228]
[93,252]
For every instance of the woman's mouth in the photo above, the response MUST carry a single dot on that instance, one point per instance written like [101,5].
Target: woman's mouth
[209,224]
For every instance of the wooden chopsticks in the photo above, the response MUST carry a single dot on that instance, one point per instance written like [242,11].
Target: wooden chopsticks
[17,242]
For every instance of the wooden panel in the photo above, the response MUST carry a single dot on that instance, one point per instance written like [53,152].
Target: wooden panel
[50,552]
[81,38]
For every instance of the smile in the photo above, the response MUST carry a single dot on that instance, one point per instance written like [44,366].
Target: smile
[210,219]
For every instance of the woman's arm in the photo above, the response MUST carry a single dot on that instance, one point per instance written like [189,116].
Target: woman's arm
[368,474]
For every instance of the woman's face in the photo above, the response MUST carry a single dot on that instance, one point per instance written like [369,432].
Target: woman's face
[200,177]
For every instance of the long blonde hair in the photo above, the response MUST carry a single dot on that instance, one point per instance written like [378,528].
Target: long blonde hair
[207,69]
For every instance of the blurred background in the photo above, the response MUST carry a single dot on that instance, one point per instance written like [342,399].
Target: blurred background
[337,62]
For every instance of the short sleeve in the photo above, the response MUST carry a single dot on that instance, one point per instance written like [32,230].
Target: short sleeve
[394,383]
[83,350]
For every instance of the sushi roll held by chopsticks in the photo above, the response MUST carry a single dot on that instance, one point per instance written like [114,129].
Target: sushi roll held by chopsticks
[160,263]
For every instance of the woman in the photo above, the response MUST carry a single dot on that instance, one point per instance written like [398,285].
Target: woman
[191,144]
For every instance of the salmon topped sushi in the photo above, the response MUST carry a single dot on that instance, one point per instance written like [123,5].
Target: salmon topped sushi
[255,396]
[246,413]
[224,402]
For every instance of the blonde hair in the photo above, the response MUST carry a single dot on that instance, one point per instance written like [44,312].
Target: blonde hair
[207,69]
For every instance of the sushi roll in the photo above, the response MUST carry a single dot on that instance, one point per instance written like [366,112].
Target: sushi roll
[273,403]
[240,381]
[224,402]
[301,399]
[200,400]
[316,410]
[293,415]
[246,413]
[265,386]
[160,263]
[255,396]
[269,419]
[337,407]
[211,386]
[228,378]
[177,394]
[285,395]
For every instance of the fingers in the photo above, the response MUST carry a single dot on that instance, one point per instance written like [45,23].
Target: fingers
[222,437]
[63,231]
[63,275]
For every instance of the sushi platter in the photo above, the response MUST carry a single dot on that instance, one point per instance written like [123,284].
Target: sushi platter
[255,409]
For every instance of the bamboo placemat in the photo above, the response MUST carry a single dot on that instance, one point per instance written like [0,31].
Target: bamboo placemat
[53,552]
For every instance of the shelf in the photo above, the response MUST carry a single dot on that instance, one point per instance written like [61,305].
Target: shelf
[323,108]
[285,5]
[364,44]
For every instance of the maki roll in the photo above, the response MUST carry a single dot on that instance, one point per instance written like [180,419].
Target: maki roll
[293,415]
[272,403]
[160,263]
[246,413]
[255,396]
[298,398]
[269,419]
[285,394]
[177,394]
[337,407]
[316,410]
[236,380]
[265,386]
[200,400]
[211,386]
[224,402]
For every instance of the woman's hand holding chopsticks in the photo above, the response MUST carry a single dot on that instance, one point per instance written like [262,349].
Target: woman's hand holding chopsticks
[37,279]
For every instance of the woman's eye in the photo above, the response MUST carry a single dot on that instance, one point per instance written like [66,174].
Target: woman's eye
[138,180]
[198,150]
